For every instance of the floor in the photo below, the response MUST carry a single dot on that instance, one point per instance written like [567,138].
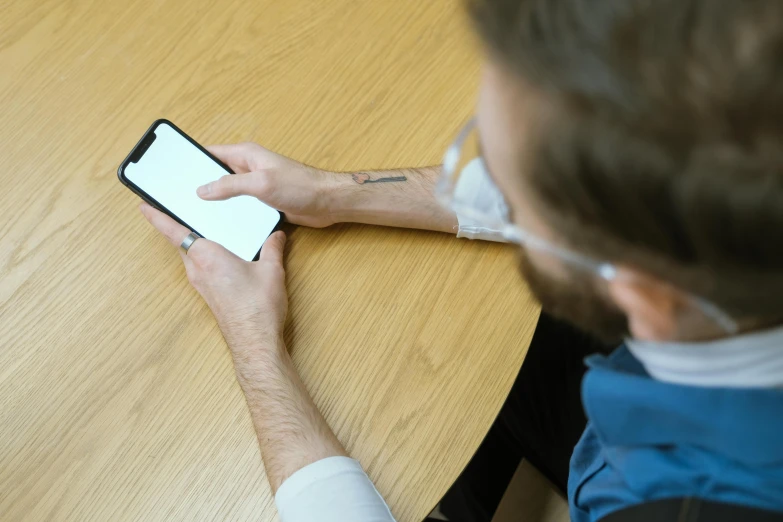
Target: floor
[530,498]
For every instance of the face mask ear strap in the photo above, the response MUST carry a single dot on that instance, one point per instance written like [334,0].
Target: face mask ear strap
[721,318]
[609,272]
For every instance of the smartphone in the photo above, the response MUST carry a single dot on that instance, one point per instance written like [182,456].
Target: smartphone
[167,166]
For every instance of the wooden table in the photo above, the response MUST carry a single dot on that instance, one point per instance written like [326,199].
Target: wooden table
[117,396]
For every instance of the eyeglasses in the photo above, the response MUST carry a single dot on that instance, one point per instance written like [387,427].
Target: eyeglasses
[463,158]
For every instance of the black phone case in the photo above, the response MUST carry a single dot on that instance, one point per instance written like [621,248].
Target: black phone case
[149,199]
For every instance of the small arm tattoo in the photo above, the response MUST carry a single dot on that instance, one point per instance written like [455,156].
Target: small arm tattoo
[363,178]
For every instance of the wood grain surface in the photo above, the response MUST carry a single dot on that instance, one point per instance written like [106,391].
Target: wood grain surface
[117,396]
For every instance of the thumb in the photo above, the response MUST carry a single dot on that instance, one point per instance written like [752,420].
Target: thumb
[273,247]
[231,185]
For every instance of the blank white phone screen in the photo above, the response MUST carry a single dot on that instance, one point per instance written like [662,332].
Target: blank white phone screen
[173,168]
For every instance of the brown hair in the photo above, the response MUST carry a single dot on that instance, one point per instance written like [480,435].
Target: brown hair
[667,151]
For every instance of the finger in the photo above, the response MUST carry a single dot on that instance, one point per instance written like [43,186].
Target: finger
[252,184]
[237,156]
[167,226]
[273,247]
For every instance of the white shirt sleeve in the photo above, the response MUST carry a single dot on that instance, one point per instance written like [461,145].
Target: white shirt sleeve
[334,489]
[475,188]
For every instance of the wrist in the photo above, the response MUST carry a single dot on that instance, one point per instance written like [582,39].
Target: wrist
[256,343]
[253,363]
[340,201]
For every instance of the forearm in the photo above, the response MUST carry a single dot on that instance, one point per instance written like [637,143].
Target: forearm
[291,431]
[396,198]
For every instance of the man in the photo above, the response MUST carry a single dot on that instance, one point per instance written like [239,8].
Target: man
[637,148]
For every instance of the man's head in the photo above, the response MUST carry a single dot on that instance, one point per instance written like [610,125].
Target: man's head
[648,134]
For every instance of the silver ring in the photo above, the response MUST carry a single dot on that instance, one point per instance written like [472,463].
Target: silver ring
[188,241]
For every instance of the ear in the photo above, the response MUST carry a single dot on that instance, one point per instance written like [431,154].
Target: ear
[652,306]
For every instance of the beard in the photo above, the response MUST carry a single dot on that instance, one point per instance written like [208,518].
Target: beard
[576,300]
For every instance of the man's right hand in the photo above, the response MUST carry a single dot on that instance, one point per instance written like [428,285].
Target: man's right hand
[318,198]
[303,193]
